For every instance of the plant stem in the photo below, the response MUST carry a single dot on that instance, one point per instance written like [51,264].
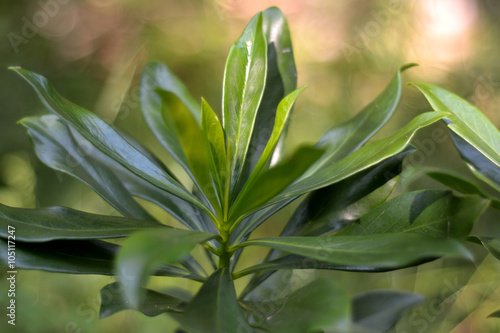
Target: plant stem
[225,253]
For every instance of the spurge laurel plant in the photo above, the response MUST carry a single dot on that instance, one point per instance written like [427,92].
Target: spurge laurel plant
[346,220]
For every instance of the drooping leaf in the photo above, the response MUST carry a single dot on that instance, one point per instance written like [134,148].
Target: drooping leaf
[465,120]
[434,213]
[213,137]
[273,181]
[491,244]
[214,308]
[154,304]
[321,305]
[363,158]
[481,166]
[281,80]
[378,252]
[244,82]
[102,136]
[380,310]
[345,138]
[145,251]
[46,224]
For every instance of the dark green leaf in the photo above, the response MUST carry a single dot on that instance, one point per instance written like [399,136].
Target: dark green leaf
[431,212]
[495,314]
[489,243]
[465,120]
[363,158]
[155,303]
[215,308]
[320,305]
[56,147]
[45,224]
[145,251]
[273,181]
[379,252]
[345,138]
[380,310]
[244,82]
[102,136]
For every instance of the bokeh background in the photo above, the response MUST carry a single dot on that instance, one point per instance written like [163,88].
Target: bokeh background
[346,51]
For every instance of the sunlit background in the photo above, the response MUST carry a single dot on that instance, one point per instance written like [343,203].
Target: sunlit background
[346,51]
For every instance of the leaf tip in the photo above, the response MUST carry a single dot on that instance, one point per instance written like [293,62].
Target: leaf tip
[406,66]
[14,68]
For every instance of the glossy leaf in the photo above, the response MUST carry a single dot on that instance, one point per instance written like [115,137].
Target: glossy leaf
[489,243]
[434,213]
[281,80]
[321,305]
[365,157]
[145,251]
[273,181]
[214,308]
[45,224]
[154,304]
[244,82]
[379,252]
[380,310]
[56,148]
[347,137]
[105,138]
[480,165]
[213,137]
[465,120]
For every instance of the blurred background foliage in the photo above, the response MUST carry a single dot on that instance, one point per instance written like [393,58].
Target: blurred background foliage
[346,51]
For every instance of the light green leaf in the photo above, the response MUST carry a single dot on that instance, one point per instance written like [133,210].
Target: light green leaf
[321,305]
[45,224]
[214,308]
[106,139]
[244,82]
[380,310]
[491,244]
[378,252]
[154,304]
[345,138]
[145,251]
[465,120]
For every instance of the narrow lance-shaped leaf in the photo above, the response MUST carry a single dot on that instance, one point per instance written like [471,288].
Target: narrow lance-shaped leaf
[281,80]
[105,138]
[465,120]
[380,310]
[56,148]
[45,224]
[321,305]
[214,308]
[379,252]
[244,82]
[144,251]
[345,138]
[154,304]
[363,158]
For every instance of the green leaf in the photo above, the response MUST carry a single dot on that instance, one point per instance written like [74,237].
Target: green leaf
[56,148]
[465,120]
[154,304]
[281,80]
[273,181]
[63,149]
[214,308]
[489,243]
[321,305]
[378,252]
[434,213]
[106,139]
[244,82]
[380,310]
[184,128]
[45,224]
[144,251]
[480,166]
[213,137]
[363,158]
[495,314]
[345,138]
